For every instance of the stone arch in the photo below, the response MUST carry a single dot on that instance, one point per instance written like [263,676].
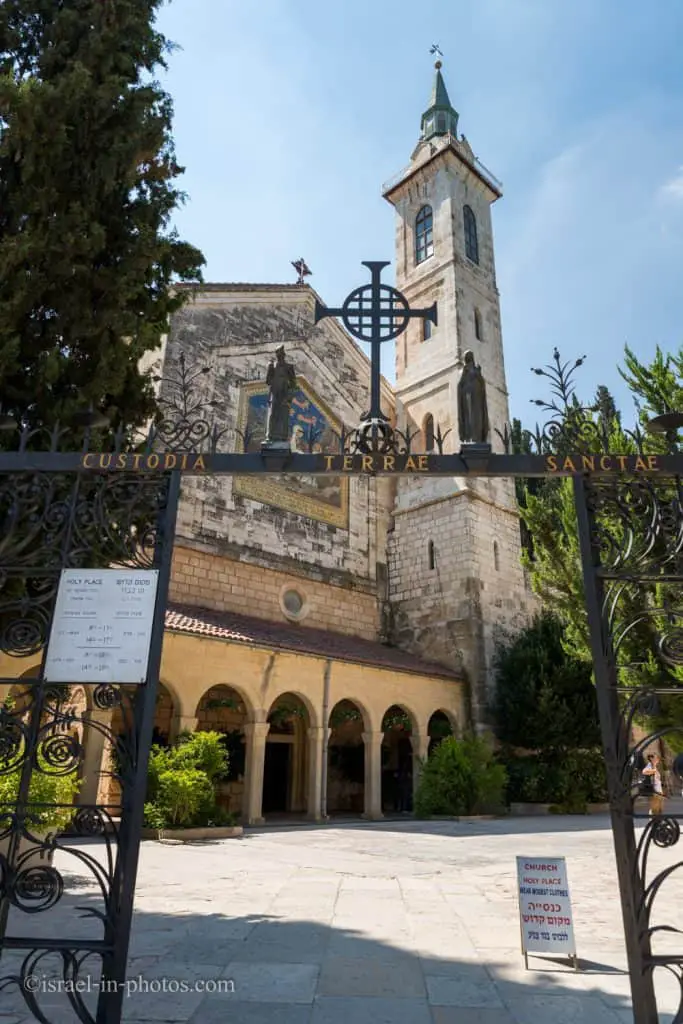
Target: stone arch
[399,725]
[286,766]
[346,758]
[109,791]
[223,708]
[440,725]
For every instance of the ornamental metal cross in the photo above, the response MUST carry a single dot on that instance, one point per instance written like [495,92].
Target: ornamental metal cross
[375,313]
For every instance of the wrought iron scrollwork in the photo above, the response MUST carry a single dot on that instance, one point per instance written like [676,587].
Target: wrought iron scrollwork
[630,530]
[49,522]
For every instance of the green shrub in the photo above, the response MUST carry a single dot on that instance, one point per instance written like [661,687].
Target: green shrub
[569,779]
[204,751]
[43,789]
[460,777]
[181,782]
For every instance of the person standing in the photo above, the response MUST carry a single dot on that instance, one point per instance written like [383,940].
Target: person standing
[651,771]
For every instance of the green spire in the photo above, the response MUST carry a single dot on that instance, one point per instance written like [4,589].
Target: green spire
[440,117]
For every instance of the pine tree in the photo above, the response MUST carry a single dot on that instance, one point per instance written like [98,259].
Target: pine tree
[88,186]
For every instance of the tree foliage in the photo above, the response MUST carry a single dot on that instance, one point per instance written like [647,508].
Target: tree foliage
[88,186]
[547,510]
[545,698]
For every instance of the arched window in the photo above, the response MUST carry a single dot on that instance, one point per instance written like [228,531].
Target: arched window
[477,325]
[471,241]
[496,556]
[428,432]
[431,555]
[424,234]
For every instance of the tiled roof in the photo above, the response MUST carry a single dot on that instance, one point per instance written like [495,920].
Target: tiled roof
[291,637]
[242,286]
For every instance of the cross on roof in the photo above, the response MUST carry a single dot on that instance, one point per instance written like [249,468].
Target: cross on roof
[375,313]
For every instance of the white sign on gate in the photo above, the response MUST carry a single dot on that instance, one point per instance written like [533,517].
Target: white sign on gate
[102,626]
[545,910]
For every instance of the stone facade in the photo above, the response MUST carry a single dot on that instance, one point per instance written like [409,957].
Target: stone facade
[233,330]
[455,576]
[207,580]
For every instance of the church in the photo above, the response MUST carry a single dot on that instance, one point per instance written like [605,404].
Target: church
[333,628]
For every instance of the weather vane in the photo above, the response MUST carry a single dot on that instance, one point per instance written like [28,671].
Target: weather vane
[436,51]
[301,269]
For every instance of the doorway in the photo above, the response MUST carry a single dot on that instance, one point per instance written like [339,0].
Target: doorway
[276,778]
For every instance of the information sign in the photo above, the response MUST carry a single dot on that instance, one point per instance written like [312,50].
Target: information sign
[545,910]
[102,626]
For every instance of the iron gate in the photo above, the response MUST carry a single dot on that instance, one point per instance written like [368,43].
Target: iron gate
[78,506]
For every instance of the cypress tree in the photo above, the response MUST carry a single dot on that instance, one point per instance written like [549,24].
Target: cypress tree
[88,186]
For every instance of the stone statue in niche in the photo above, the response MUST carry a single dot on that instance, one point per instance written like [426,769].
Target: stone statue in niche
[281,380]
[473,417]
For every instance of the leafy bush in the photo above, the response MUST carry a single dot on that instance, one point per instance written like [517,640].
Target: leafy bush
[181,782]
[569,779]
[460,777]
[43,789]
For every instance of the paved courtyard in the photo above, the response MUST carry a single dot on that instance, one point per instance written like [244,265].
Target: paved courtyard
[385,923]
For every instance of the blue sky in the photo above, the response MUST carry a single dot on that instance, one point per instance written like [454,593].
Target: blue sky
[289,115]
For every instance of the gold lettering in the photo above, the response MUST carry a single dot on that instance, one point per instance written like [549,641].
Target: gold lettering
[105,461]
[348,462]
[184,462]
[410,463]
[150,464]
[588,461]
[170,460]
[121,461]
[329,459]
[423,462]
[551,463]
[389,462]
[367,466]
[606,462]
[622,462]
[199,464]
[136,461]
[652,462]
[568,464]
[640,464]
[84,461]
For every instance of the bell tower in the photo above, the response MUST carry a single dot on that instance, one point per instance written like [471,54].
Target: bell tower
[455,573]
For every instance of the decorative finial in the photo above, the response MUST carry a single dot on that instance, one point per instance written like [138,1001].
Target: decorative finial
[301,269]
[436,51]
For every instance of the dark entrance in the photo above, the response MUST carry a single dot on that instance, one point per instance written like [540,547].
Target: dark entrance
[276,775]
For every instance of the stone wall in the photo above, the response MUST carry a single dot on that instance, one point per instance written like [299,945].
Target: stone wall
[454,612]
[233,330]
[206,580]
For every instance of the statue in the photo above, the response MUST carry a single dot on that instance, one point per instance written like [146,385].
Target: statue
[473,417]
[281,380]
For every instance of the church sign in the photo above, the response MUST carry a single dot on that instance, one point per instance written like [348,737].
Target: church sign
[464,463]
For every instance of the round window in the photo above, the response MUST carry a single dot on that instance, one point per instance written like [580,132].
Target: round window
[293,602]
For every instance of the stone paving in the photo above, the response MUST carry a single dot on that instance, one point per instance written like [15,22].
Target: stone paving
[385,923]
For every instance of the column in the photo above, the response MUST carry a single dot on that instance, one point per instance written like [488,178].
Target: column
[94,739]
[315,771]
[255,734]
[182,723]
[420,743]
[373,775]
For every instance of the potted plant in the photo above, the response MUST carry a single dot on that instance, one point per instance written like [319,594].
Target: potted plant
[50,810]
[181,790]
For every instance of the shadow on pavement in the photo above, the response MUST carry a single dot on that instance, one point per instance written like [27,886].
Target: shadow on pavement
[198,965]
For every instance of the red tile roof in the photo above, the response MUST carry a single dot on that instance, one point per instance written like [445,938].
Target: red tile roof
[242,629]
